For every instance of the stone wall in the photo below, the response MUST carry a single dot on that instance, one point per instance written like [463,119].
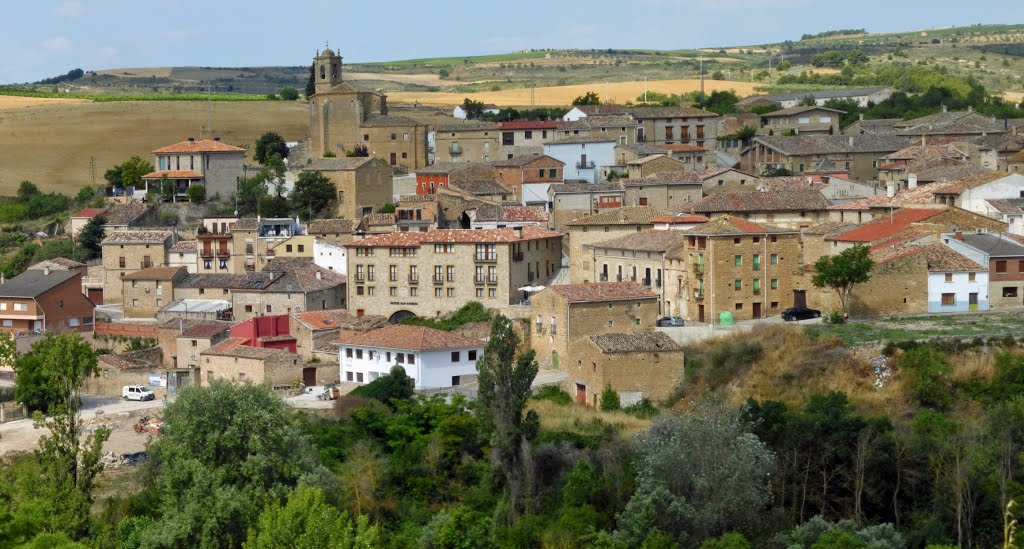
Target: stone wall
[634,375]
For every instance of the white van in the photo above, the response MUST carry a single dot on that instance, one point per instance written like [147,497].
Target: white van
[137,392]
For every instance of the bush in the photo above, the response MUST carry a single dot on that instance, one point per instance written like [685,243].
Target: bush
[168,218]
[289,94]
[394,386]
[330,154]
[835,317]
[553,393]
[471,312]
[644,409]
[196,194]
[610,400]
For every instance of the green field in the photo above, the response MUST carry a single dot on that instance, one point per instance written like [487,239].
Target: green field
[923,327]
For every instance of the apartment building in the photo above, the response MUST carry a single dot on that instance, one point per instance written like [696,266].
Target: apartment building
[129,251]
[637,257]
[429,274]
[732,265]
[42,300]
[146,291]
[597,228]
[363,184]
[253,238]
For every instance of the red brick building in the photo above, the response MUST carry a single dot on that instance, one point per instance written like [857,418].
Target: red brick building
[265,332]
[514,172]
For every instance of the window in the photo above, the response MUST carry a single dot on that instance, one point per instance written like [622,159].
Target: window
[480,293]
[3,306]
[757,262]
[492,293]
[738,284]
[135,303]
[438,292]
[414,291]
[268,308]
[455,356]
[552,173]
[288,248]
[341,197]
[528,134]
[400,358]
[471,355]
[120,262]
[359,354]
[412,358]
[775,284]
[359,377]
[739,260]
[394,136]
[451,292]
[248,308]
[611,323]
[736,241]
[949,277]
[1009,291]
[73,322]
[393,291]
[949,299]
[971,277]
[302,248]
[757,286]
[8,323]
[359,290]
[223,264]
[739,306]
[135,284]
[773,259]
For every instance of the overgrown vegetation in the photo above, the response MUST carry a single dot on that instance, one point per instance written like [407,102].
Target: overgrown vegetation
[469,313]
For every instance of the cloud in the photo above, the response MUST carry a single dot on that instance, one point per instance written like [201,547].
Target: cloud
[71,8]
[57,44]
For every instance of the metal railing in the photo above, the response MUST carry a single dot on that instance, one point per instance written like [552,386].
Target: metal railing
[589,165]
[414,279]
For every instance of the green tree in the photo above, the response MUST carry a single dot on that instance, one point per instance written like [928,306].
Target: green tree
[818,533]
[226,452]
[289,94]
[732,540]
[856,58]
[196,194]
[307,521]
[27,190]
[267,145]
[132,171]
[44,373]
[395,386]
[843,271]
[167,189]
[443,73]
[504,379]
[589,98]
[388,208]
[90,238]
[311,81]
[697,476]
[314,195]
[610,400]
[474,109]
[251,192]
[113,177]
[808,101]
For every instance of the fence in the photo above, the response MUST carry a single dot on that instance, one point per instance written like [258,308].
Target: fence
[9,411]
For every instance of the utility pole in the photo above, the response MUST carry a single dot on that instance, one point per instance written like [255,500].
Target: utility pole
[209,103]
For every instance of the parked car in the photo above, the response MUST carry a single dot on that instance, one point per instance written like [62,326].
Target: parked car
[800,313]
[667,321]
[137,392]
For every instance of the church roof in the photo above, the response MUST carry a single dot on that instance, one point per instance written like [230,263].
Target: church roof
[327,53]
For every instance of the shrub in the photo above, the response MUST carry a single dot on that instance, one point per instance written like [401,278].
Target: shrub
[196,194]
[168,218]
[330,154]
[394,386]
[835,317]
[554,394]
[289,94]
[644,409]
[610,400]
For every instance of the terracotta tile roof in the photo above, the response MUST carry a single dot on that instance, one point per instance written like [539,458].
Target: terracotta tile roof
[879,125]
[960,185]
[603,109]
[627,215]
[156,273]
[235,347]
[200,146]
[385,121]
[480,188]
[585,187]
[300,275]
[939,258]
[803,145]
[797,110]
[528,125]
[644,241]
[665,178]
[137,237]
[680,148]
[916,152]
[454,236]
[829,228]
[521,161]
[246,224]
[173,174]
[767,201]
[1012,206]
[713,172]
[59,262]
[333,226]
[88,213]
[336,164]
[126,214]
[578,139]
[602,291]
[681,219]
[185,246]
[729,225]
[641,113]
[247,281]
[651,158]
[887,226]
[205,329]
[412,338]
[379,219]
[333,319]
[277,338]
[788,183]
[922,194]
[465,126]
[513,214]
[635,342]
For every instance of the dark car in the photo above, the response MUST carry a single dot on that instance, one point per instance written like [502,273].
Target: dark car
[800,313]
[670,321]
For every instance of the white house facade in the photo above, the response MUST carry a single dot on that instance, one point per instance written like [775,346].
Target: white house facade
[957,291]
[585,157]
[432,358]
[330,256]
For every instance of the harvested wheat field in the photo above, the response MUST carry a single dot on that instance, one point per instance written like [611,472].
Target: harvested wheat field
[50,141]
[613,92]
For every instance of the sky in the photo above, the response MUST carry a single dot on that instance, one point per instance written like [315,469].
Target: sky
[44,38]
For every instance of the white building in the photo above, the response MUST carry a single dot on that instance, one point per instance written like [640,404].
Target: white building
[460,113]
[585,157]
[974,193]
[330,256]
[184,253]
[432,358]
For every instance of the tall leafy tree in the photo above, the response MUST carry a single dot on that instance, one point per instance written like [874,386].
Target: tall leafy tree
[843,271]
[504,378]
[308,521]
[132,171]
[269,144]
[474,109]
[314,194]
[52,370]
[226,452]
[90,238]
[589,98]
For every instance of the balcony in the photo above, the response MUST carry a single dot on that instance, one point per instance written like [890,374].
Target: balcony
[517,256]
[486,258]
[657,282]
[414,279]
[223,254]
[206,254]
[492,279]
[438,279]
[604,277]
[479,279]
[698,295]
[698,268]
[588,165]
[647,281]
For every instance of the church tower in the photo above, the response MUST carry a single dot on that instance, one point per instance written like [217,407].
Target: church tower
[328,70]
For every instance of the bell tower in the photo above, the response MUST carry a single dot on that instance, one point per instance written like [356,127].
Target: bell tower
[328,70]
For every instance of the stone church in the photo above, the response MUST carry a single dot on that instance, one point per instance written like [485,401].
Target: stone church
[342,116]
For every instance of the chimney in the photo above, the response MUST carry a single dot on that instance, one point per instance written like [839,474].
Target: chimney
[518,231]
[890,190]
[46,271]
[959,235]
[912,181]
[850,140]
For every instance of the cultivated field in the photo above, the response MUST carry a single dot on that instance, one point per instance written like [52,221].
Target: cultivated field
[50,141]
[613,92]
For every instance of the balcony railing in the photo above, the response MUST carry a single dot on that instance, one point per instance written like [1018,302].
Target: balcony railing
[647,281]
[206,253]
[657,282]
[438,279]
[414,279]
[223,253]
[492,279]
[588,165]
[486,258]
[604,278]
[698,295]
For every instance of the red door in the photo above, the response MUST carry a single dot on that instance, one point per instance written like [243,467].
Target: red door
[757,310]
[700,313]
[394,159]
[581,394]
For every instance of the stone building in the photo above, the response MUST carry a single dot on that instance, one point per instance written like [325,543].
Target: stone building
[335,231]
[654,164]
[129,251]
[727,180]
[185,254]
[732,265]
[343,116]
[207,162]
[313,329]
[299,285]
[528,170]
[429,274]
[146,291]
[637,366]
[253,237]
[858,155]
[570,201]
[637,257]
[232,360]
[561,314]
[193,340]
[669,191]
[364,184]
[670,125]
[600,227]
[467,142]
[791,209]
[801,120]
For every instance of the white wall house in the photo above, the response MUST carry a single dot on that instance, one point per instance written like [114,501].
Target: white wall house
[330,256]
[585,157]
[574,115]
[432,358]
[975,198]
[957,291]
[460,113]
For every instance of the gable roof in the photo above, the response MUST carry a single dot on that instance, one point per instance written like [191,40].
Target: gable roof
[137,237]
[205,329]
[651,240]
[88,213]
[634,342]
[454,236]
[761,201]
[994,244]
[585,187]
[479,187]
[33,283]
[524,160]
[799,109]
[236,347]
[126,214]
[938,258]
[670,112]
[333,226]
[156,273]
[582,139]
[246,281]
[627,215]
[199,146]
[682,219]
[412,338]
[665,178]
[960,185]
[803,145]
[888,225]
[337,164]
[603,291]
[730,225]
[389,121]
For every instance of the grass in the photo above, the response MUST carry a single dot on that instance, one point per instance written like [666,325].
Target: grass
[585,421]
[921,327]
[112,97]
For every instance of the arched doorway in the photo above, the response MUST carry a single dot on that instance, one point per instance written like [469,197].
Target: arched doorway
[399,316]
